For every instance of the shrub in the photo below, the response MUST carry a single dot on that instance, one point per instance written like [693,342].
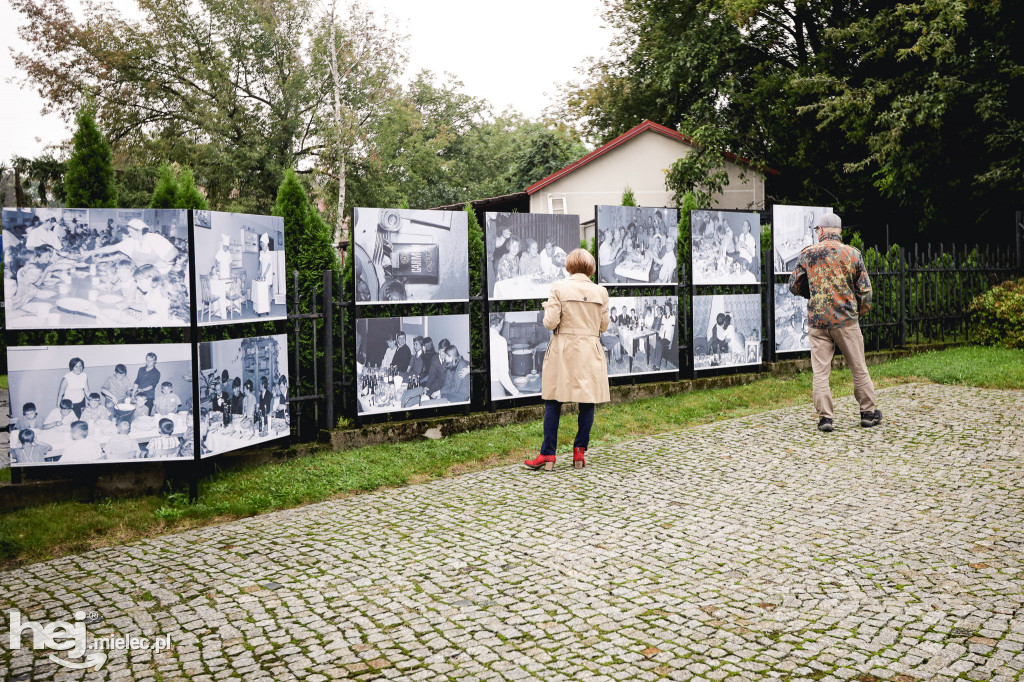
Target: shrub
[997,315]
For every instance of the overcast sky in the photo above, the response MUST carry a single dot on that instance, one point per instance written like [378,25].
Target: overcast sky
[511,54]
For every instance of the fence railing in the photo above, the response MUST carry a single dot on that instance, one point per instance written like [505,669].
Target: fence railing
[920,294]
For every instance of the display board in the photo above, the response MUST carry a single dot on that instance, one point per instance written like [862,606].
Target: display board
[518,341]
[791,330]
[240,267]
[526,253]
[725,247]
[411,256]
[642,335]
[636,245]
[726,330]
[91,404]
[243,388]
[95,268]
[411,363]
[792,231]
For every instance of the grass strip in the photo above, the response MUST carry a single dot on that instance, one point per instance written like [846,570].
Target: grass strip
[39,533]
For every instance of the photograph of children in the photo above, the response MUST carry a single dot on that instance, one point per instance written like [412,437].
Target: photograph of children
[95,268]
[411,256]
[726,247]
[518,343]
[111,403]
[243,393]
[411,363]
[240,265]
[791,334]
[526,252]
[637,245]
[642,335]
[726,330]
[792,231]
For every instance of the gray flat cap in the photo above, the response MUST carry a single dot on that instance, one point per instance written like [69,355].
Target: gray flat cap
[829,220]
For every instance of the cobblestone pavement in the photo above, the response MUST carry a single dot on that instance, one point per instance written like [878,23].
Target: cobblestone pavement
[752,548]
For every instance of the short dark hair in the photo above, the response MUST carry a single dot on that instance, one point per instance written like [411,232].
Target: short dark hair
[120,369]
[497,319]
[248,384]
[73,362]
[80,426]
[27,436]
[263,382]
[66,404]
[150,355]
[125,421]
[94,396]
[236,383]
[451,349]
[166,426]
[166,384]
[28,406]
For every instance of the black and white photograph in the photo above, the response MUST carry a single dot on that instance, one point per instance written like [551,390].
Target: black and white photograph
[240,267]
[726,247]
[642,335]
[93,404]
[526,253]
[412,363]
[792,231]
[243,393]
[411,256]
[76,268]
[637,245]
[791,331]
[518,342]
[726,330]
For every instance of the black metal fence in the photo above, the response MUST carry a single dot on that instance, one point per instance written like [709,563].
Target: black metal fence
[920,295]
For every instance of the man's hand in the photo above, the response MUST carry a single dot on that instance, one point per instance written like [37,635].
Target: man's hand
[463,373]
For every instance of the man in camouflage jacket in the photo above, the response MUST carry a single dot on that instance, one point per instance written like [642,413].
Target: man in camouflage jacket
[832,276]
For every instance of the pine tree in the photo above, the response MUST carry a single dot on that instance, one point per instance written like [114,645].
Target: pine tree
[307,238]
[166,189]
[628,198]
[476,251]
[188,195]
[89,179]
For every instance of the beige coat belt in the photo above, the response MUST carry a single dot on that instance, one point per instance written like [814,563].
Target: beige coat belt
[579,332]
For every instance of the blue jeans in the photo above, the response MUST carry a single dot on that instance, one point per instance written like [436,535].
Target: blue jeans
[552,413]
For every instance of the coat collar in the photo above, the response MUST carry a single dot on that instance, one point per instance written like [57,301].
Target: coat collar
[579,277]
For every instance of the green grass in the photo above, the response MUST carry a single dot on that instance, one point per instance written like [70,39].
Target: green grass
[39,533]
[3,382]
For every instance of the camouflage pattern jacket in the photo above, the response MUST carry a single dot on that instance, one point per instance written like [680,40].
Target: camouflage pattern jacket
[832,275]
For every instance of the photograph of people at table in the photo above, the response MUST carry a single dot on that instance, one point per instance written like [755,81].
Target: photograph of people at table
[526,252]
[642,335]
[791,331]
[792,232]
[81,404]
[240,267]
[411,256]
[411,363]
[518,342]
[95,268]
[726,330]
[243,393]
[637,245]
[726,247]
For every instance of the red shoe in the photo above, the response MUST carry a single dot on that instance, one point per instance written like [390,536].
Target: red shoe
[546,461]
[577,458]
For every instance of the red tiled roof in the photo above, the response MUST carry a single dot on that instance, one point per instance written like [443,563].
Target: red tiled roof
[622,139]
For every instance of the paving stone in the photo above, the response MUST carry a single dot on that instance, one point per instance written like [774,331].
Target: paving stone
[751,548]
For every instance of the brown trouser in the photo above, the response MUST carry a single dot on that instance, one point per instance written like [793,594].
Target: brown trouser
[823,348]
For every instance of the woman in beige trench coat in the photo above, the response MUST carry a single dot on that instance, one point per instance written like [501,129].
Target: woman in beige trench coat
[575,368]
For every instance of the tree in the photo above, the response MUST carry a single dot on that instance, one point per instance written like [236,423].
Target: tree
[628,198]
[188,195]
[89,180]
[701,173]
[164,195]
[307,238]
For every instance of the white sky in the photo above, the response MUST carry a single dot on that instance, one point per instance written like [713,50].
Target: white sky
[511,54]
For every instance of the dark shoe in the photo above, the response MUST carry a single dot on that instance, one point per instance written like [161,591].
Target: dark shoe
[545,461]
[825,424]
[577,458]
[871,418]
